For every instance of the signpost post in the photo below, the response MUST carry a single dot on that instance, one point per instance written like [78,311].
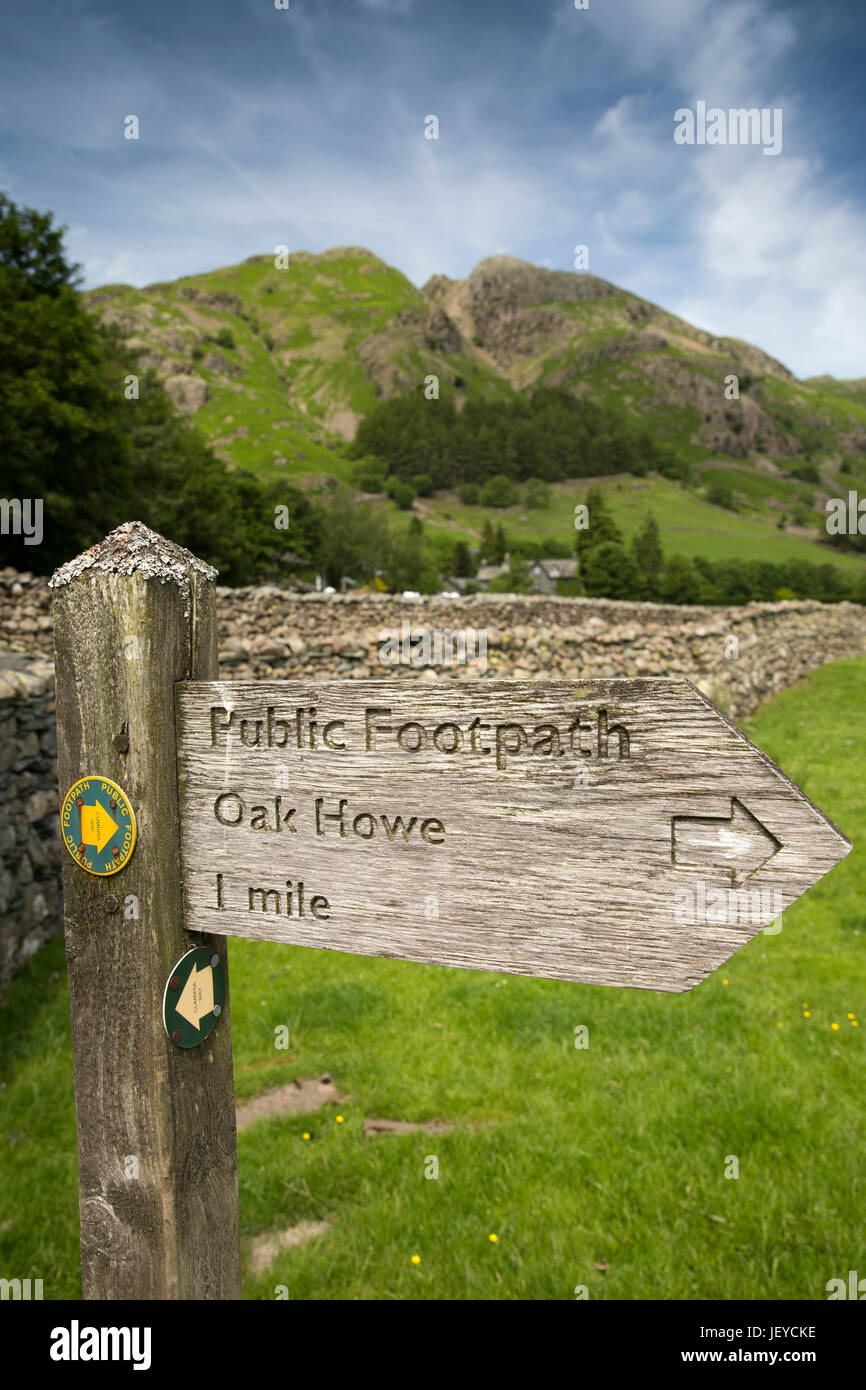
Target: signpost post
[616,832]
[157,1152]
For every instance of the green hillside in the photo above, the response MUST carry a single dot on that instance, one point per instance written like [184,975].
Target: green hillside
[319,343]
[279,367]
[315,347]
[689,525]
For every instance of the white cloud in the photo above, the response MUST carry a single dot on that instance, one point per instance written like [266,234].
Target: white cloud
[765,250]
[556,130]
[700,45]
[781,265]
[117,268]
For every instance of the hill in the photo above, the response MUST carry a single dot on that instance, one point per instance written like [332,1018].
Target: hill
[280,365]
[280,368]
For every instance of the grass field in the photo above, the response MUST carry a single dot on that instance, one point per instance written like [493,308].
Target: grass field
[601,1167]
[688,524]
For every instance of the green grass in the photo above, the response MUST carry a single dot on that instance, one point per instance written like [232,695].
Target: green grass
[613,1155]
[689,525]
[756,491]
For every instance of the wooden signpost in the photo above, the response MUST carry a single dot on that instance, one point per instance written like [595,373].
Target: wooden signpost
[545,828]
[617,832]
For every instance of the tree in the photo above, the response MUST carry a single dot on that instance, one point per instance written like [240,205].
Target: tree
[601,528]
[720,494]
[515,581]
[858,591]
[537,495]
[354,538]
[410,564]
[92,435]
[548,435]
[498,491]
[518,575]
[401,493]
[807,472]
[368,474]
[61,436]
[670,466]
[32,258]
[680,582]
[608,571]
[462,565]
[648,556]
[500,545]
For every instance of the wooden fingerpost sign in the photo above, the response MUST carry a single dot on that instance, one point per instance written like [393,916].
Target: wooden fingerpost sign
[617,832]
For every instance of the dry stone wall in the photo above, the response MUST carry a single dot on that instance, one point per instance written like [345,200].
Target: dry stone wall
[30,900]
[738,656]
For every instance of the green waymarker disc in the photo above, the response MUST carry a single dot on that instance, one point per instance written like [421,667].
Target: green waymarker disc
[195,993]
[97,825]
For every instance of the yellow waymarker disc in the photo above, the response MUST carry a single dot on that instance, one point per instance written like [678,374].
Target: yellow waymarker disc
[97,825]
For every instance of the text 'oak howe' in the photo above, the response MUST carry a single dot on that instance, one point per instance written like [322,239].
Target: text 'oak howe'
[540,828]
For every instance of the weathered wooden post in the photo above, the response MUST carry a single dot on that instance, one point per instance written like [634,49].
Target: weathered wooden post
[157,1153]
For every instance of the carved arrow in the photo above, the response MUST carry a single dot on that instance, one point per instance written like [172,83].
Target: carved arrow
[738,842]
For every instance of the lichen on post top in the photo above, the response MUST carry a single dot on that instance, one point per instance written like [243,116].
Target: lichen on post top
[135,548]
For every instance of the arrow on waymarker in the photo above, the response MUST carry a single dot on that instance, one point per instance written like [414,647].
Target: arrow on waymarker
[739,842]
[97,827]
[196,998]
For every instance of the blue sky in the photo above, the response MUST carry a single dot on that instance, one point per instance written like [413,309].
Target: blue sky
[305,127]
